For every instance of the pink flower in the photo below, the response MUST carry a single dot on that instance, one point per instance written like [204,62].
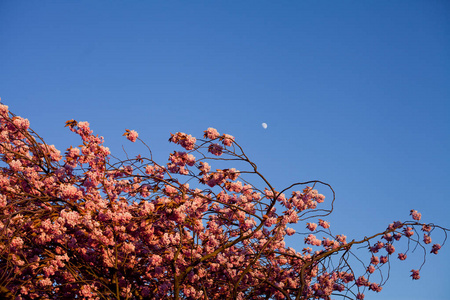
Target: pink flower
[341,239]
[4,110]
[360,296]
[45,282]
[376,247]
[415,215]
[17,243]
[233,174]
[290,231]
[215,149]
[190,160]
[270,221]
[20,123]
[311,226]
[330,244]
[339,287]
[235,187]
[375,260]
[227,139]
[362,281]
[69,191]
[71,217]
[426,238]
[24,290]
[131,135]
[408,231]
[320,198]
[390,248]
[211,133]
[371,269]
[387,237]
[383,259]
[435,248]
[55,154]
[415,274]
[184,140]
[426,228]
[3,201]
[204,168]
[86,291]
[170,190]
[312,240]
[396,224]
[15,165]
[128,248]
[375,287]
[401,256]
[73,152]
[324,224]
[83,125]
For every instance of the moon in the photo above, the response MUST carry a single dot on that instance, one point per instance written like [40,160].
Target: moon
[264,125]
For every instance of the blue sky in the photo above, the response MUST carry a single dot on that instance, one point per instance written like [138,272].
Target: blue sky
[355,93]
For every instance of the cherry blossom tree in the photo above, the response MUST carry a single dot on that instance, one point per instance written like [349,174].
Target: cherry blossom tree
[87,225]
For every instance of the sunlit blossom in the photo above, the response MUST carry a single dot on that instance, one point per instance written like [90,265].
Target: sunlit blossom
[87,221]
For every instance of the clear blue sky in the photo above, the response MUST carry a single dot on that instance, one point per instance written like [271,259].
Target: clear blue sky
[355,93]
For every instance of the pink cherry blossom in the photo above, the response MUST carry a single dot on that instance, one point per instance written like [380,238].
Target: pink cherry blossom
[15,165]
[17,242]
[4,110]
[415,274]
[227,139]
[89,225]
[362,281]
[211,133]
[426,227]
[311,226]
[401,256]
[397,236]
[324,224]
[375,260]
[426,239]
[341,239]
[313,240]
[186,141]
[215,149]
[408,231]
[132,135]
[22,124]
[388,237]
[390,249]
[375,287]
[436,248]
[290,231]
[415,215]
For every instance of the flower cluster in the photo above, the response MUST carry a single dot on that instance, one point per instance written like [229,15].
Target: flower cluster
[132,135]
[85,225]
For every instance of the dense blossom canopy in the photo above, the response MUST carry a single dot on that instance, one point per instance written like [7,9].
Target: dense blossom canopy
[85,225]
